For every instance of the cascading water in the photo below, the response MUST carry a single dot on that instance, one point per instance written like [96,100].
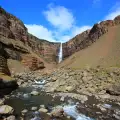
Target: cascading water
[60,55]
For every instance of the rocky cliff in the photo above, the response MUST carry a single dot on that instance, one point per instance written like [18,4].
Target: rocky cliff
[88,37]
[18,42]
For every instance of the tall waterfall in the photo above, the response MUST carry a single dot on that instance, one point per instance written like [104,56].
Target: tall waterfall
[60,55]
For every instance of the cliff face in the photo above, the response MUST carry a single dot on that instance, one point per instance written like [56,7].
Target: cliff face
[88,37]
[45,49]
[17,41]
[3,61]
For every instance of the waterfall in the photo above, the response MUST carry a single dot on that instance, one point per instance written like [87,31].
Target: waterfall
[60,55]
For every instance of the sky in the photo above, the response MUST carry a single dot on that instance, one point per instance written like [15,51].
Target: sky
[60,20]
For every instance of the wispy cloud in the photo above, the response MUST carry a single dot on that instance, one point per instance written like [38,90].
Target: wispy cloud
[59,16]
[40,32]
[114,11]
[78,30]
[63,22]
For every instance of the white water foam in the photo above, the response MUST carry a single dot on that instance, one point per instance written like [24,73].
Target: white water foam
[41,82]
[60,55]
[71,111]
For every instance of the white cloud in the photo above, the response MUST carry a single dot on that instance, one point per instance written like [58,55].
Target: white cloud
[40,32]
[114,11]
[78,30]
[53,36]
[64,27]
[113,14]
[60,17]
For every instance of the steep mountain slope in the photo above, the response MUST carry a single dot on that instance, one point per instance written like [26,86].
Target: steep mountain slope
[105,51]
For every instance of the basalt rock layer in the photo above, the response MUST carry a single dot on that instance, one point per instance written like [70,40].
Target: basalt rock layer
[85,39]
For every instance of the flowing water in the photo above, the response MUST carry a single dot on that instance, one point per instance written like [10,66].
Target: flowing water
[60,55]
[21,99]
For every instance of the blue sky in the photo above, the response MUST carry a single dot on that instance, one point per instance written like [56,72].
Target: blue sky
[60,20]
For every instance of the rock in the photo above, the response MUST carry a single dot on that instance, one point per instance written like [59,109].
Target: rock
[42,106]
[43,110]
[2,101]
[34,93]
[24,111]
[5,109]
[113,90]
[36,118]
[32,62]
[26,95]
[58,112]
[101,108]
[69,88]
[62,99]
[68,117]
[7,83]
[19,83]
[54,79]
[34,108]
[12,117]
[18,42]
[25,84]
[116,116]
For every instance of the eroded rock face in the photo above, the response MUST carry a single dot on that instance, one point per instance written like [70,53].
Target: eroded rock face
[32,62]
[88,37]
[75,44]
[48,50]
[13,25]
[17,41]
[3,61]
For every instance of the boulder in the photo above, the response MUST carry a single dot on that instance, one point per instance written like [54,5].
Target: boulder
[2,101]
[114,90]
[24,111]
[35,93]
[12,117]
[58,112]
[43,110]
[34,108]
[6,109]
[42,106]
[7,84]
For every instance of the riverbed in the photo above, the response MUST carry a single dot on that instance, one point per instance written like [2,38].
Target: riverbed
[92,109]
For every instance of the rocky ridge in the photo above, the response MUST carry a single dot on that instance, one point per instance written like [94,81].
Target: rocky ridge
[87,38]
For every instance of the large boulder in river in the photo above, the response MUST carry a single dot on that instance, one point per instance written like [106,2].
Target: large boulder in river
[58,112]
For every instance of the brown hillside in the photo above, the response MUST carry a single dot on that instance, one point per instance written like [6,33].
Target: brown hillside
[105,52]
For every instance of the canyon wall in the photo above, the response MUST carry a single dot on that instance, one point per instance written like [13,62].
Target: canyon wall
[18,42]
[88,37]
